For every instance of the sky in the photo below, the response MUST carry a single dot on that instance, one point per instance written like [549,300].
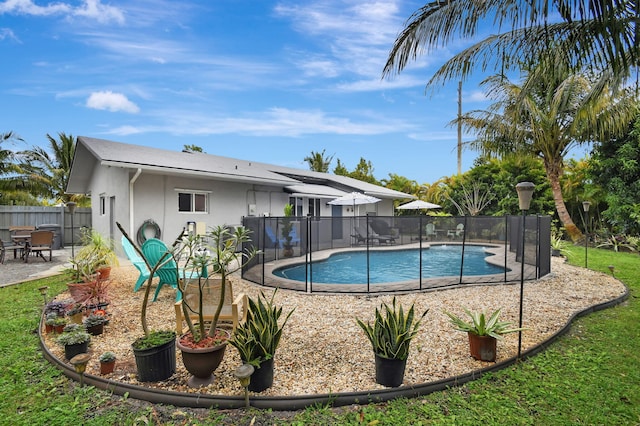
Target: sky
[267,81]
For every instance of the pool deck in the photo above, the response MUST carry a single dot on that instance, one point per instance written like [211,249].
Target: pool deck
[496,256]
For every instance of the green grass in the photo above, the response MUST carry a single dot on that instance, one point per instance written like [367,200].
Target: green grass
[590,376]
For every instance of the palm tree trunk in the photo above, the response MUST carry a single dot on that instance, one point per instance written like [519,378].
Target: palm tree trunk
[554,170]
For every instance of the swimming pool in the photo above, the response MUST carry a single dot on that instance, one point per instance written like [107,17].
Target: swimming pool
[394,265]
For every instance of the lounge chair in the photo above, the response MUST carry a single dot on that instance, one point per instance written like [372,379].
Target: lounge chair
[156,251]
[39,242]
[137,261]
[361,237]
[234,310]
[273,240]
[383,231]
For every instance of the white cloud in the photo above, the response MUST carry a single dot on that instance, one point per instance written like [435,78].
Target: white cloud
[277,121]
[93,9]
[110,101]
[100,12]
[7,33]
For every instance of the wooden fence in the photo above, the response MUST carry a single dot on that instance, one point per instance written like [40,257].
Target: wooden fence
[57,219]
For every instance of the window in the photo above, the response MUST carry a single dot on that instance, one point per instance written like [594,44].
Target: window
[192,202]
[103,205]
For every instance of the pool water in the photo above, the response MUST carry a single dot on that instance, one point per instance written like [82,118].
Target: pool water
[394,265]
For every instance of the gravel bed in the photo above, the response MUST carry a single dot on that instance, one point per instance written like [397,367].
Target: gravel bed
[324,351]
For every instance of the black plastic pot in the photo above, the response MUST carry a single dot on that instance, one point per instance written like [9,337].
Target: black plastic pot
[72,350]
[157,363]
[390,372]
[262,378]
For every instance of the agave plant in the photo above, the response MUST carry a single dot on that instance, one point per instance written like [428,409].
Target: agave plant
[391,333]
[480,326]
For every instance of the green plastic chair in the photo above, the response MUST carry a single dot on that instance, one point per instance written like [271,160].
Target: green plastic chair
[155,251]
[138,262]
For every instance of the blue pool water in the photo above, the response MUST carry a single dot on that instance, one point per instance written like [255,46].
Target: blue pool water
[394,265]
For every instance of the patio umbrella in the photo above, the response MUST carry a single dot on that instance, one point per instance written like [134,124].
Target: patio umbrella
[418,204]
[354,199]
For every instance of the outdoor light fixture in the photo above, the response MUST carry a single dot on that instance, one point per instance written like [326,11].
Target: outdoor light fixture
[612,268]
[43,292]
[525,193]
[71,206]
[243,374]
[585,207]
[79,362]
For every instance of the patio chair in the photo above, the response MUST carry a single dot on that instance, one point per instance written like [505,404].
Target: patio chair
[456,233]
[155,251]
[430,231]
[40,241]
[273,240]
[234,310]
[382,238]
[5,247]
[137,261]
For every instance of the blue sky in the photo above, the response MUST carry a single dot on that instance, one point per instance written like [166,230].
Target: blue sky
[266,81]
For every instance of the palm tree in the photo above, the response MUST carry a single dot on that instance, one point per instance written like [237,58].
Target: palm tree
[48,174]
[318,162]
[556,112]
[601,34]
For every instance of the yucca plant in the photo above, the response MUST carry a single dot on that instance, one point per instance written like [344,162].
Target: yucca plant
[391,333]
[480,326]
[259,336]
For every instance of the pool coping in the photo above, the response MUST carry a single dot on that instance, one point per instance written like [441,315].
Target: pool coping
[298,402]
[497,258]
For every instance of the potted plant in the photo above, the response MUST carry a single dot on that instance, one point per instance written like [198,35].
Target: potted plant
[75,313]
[95,324]
[204,344]
[54,323]
[390,336]
[75,340]
[258,338]
[558,245]
[155,350]
[107,362]
[287,227]
[483,333]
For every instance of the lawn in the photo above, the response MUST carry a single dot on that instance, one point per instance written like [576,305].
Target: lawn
[590,376]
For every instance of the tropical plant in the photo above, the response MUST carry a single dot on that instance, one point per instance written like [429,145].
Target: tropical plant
[48,175]
[259,336]
[616,243]
[392,330]
[550,112]
[482,326]
[318,161]
[599,35]
[107,356]
[219,254]
[559,245]
[287,225]
[73,334]
[96,252]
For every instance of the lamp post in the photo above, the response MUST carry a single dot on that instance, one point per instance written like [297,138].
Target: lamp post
[525,193]
[243,374]
[71,206]
[585,207]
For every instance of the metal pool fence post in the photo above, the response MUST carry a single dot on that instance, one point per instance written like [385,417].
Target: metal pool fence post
[308,267]
[464,238]
[368,239]
[420,250]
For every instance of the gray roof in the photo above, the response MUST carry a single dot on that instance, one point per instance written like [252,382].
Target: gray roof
[91,152]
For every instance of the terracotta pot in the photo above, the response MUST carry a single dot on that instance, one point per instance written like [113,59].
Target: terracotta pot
[107,367]
[48,328]
[202,362]
[58,328]
[482,348]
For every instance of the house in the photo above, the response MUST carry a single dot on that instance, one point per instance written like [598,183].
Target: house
[131,184]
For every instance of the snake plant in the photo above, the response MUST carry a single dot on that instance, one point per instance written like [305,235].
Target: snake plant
[259,336]
[392,332]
